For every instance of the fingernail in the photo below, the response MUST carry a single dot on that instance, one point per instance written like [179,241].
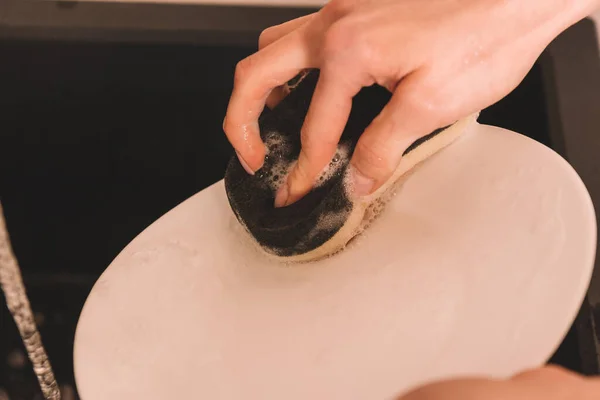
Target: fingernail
[361,185]
[244,164]
[282,196]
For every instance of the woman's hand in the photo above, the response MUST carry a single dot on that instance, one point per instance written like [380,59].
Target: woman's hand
[442,59]
[549,383]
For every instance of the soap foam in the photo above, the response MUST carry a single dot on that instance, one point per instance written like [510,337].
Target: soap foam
[340,159]
[328,222]
[277,168]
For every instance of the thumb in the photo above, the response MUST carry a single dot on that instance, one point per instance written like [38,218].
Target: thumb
[381,147]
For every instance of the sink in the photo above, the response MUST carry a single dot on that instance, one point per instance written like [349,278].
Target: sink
[99,138]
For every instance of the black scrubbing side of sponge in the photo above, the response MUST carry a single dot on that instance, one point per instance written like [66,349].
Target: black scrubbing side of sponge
[313,220]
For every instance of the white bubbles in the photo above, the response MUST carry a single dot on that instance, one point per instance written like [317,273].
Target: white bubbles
[375,209]
[339,160]
[277,175]
[328,222]
[276,166]
[273,140]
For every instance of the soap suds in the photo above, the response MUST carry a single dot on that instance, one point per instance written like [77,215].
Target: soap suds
[340,160]
[277,168]
[323,221]
[327,222]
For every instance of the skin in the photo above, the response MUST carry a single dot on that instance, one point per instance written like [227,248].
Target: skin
[442,59]
[548,383]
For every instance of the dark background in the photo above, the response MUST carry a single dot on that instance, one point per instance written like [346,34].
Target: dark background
[100,138]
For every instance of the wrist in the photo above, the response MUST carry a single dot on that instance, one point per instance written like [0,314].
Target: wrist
[544,20]
[578,9]
[567,13]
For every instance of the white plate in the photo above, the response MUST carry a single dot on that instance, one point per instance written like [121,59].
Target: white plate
[478,266]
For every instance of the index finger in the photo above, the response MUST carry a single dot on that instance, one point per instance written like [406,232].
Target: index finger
[255,77]
[274,33]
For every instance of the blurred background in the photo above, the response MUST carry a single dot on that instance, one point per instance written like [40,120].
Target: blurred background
[111,114]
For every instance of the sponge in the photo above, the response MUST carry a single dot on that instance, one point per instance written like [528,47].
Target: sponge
[327,218]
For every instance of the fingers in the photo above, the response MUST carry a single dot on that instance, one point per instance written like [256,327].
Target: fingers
[271,35]
[547,383]
[552,383]
[463,389]
[255,77]
[276,32]
[380,148]
[323,126]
